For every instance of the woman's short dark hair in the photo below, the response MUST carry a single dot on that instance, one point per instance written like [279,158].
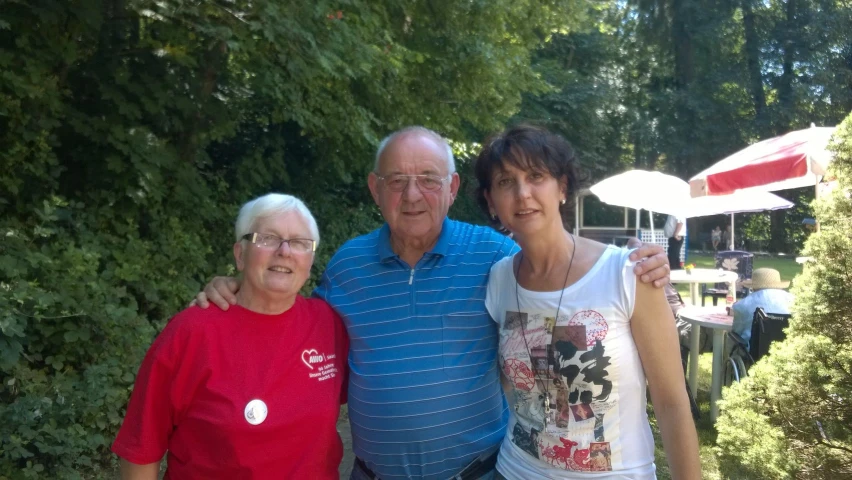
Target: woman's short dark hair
[528,147]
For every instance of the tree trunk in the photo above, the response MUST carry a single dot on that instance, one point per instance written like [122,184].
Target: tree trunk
[778,241]
[752,51]
[682,43]
[848,61]
[785,87]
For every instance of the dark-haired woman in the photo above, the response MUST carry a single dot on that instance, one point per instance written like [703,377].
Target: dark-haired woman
[579,336]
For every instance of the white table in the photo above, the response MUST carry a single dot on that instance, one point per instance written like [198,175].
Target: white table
[717,319]
[695,277]
[702,275]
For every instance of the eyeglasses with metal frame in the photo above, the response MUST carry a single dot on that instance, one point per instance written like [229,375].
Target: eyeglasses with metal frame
[398,182]
[273,242]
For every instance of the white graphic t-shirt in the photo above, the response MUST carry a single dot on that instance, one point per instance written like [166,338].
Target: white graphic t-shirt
[578,388]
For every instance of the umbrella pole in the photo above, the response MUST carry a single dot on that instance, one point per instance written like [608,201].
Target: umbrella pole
[651,222]
[638,222]
[732,233]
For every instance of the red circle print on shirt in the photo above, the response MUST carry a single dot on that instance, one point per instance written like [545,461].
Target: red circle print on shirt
[519,373]
[596,326]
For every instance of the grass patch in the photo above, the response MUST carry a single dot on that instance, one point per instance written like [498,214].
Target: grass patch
[705,428]
[706,432]
[787,266]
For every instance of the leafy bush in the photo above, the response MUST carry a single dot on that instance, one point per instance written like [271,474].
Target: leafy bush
[792,417]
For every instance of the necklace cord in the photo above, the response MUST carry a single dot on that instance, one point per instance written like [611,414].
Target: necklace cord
[543,383]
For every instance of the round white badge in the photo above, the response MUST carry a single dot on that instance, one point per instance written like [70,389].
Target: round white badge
[256,412]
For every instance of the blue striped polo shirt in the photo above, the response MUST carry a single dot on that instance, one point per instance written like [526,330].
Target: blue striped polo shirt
[424,387]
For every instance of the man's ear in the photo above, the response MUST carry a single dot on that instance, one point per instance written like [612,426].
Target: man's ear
[455,183]
[373,183]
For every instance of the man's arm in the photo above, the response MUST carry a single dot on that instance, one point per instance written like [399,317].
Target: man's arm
[742,318]
[653,264]
[221,291]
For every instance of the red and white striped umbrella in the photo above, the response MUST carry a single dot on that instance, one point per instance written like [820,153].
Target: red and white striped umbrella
[794,160]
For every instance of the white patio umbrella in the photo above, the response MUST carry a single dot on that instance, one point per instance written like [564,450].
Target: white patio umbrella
[740,202]
[658,192]
[641,189]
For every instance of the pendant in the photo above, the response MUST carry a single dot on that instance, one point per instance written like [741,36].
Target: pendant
[546,410]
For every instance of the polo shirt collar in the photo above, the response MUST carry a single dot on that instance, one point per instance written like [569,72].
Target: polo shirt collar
[441,246]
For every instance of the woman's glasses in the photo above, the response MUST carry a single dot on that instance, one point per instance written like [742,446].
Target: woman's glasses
[268,241]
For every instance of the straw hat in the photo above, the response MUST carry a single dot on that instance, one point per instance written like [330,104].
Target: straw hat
[765,278]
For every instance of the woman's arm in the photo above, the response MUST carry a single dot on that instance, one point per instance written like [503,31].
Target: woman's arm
[655,334]
[132,471]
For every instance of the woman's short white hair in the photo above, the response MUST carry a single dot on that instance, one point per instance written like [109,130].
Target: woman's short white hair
[269,205]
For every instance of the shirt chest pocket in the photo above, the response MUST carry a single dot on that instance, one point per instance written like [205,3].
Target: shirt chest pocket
[469,344]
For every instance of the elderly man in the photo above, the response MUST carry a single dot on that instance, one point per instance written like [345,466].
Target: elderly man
[425,399]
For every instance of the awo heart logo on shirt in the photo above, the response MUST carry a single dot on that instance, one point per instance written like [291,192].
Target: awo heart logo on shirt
[310,357]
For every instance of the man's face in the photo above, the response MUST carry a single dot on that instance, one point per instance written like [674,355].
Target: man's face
[414,214]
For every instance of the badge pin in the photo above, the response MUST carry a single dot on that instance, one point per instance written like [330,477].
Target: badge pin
[256,412]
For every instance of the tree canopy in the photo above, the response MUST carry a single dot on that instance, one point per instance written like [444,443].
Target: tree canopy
[132,130]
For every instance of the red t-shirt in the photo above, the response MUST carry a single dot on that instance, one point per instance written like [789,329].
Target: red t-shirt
[239,394]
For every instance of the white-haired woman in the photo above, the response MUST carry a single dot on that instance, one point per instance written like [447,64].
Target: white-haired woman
[254,391]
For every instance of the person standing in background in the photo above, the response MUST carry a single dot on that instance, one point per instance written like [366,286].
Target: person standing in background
[675,230]
[726,238]
[716,237]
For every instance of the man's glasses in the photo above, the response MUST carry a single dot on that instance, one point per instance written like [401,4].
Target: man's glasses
[398,182]
[274,242]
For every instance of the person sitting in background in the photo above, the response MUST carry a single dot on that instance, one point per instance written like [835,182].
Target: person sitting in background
[252,392]
[767,293]
[684,328]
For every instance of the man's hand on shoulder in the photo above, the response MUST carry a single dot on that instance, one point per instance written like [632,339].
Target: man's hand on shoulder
[653,266]
[220,291]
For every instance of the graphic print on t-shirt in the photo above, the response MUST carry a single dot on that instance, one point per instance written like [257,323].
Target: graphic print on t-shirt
[322,364]
[568,361]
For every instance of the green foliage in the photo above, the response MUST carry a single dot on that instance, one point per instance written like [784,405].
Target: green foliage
[131,131]
[792,417]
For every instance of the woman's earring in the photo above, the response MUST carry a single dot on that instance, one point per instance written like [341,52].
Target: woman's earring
[562,202]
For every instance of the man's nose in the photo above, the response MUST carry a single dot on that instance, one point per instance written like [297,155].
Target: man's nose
[411,191]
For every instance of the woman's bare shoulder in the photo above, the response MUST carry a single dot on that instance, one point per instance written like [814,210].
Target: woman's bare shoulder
[587,248]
